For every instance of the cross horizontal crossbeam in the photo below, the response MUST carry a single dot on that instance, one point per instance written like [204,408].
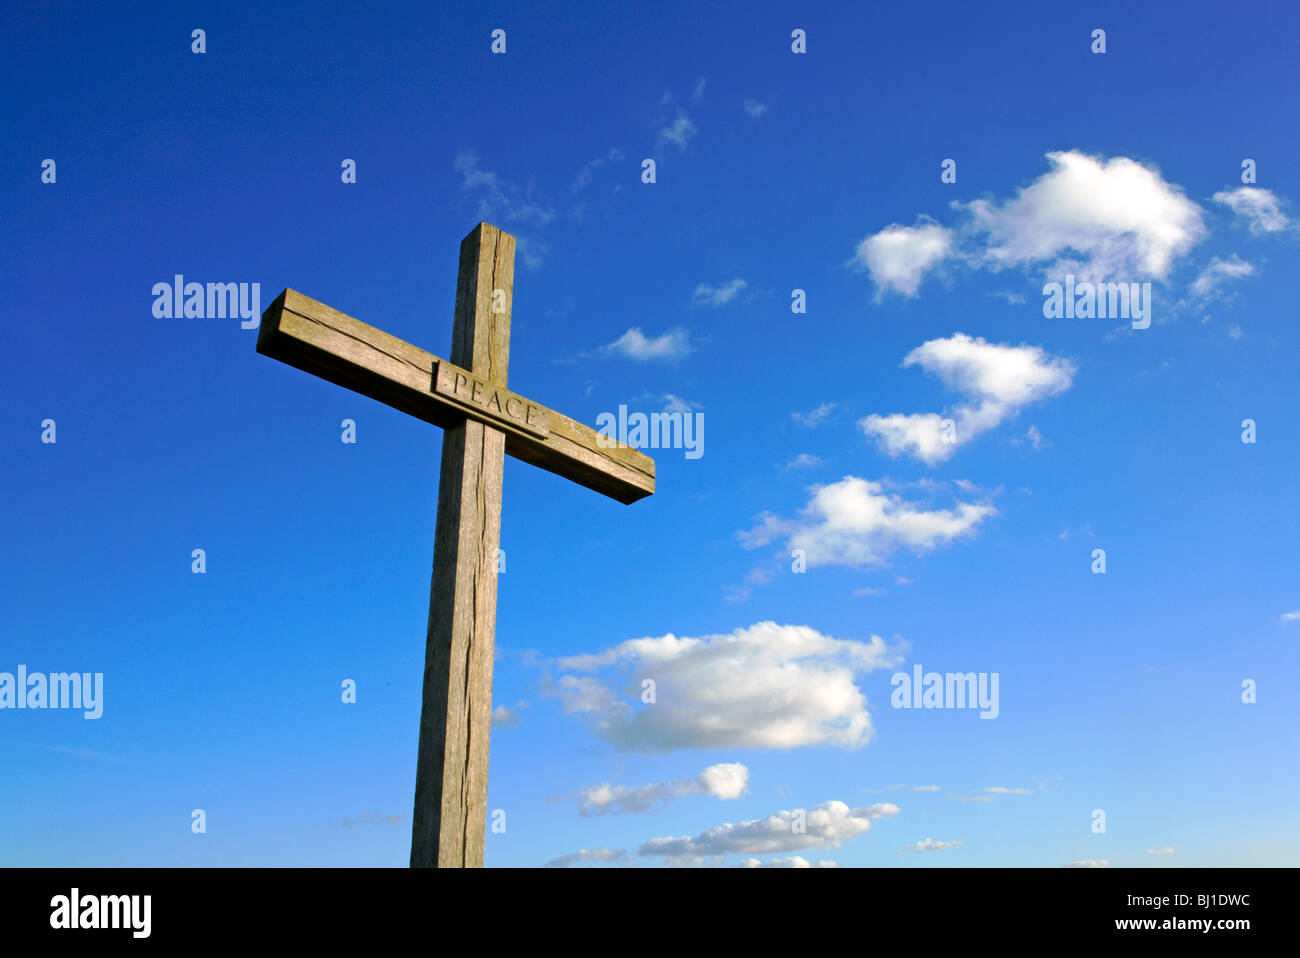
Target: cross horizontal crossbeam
[317,339]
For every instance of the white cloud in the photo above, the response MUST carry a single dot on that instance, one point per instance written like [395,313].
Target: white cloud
[754,108]
[1234,331]
[591,166]
[1002,790]
[898,256]
[926,788]
[1218,272]
[868,591]
[828,825]
[804,461]
[1291,616]
[1091,216]
[1090,863]
[724,781]
[765,686]
[637,346]
[854,522]
[680,131]
[794,861]
[1160,851]
[998,381]
[499,200]
[1258,207]
[928,845]
[698,94]
[674,403]
[505,717]
[814,418]
[709,295]
[531,251]
[587,855]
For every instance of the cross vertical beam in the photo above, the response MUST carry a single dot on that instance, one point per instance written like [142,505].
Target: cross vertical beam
[452,766]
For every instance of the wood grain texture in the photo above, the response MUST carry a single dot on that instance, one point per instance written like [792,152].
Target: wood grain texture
[483,422]
[455,721]
[487,264]
[320,340]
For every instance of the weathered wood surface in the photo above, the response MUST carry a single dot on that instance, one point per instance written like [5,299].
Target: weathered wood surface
[451,772]
[313,337]
[484,421]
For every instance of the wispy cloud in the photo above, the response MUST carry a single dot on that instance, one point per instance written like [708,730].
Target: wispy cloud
[724,781]
[707,294]
[370,818]
[1259,209]
[803,461]
[498,199]
[928,845]
[816,417]
[594,856]
[1207,284]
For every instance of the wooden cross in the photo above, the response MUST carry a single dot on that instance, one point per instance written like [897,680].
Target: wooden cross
[483,421]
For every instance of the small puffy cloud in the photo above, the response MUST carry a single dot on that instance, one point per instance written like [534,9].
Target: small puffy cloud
[814,418]
[794,861]
[1100,218]
[754,108]
[828,825]
[637,346]
[590,855]
[926,788]
[997,380]
[1258,208]
[765,686]
[724,781]
[1218,272]
[505,717]
[708,295]
[898,256]
[1160,851]
[1090,863]
[855,522]
[1290,616]
[928,845]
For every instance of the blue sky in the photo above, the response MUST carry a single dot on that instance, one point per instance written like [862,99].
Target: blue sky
[817,171]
